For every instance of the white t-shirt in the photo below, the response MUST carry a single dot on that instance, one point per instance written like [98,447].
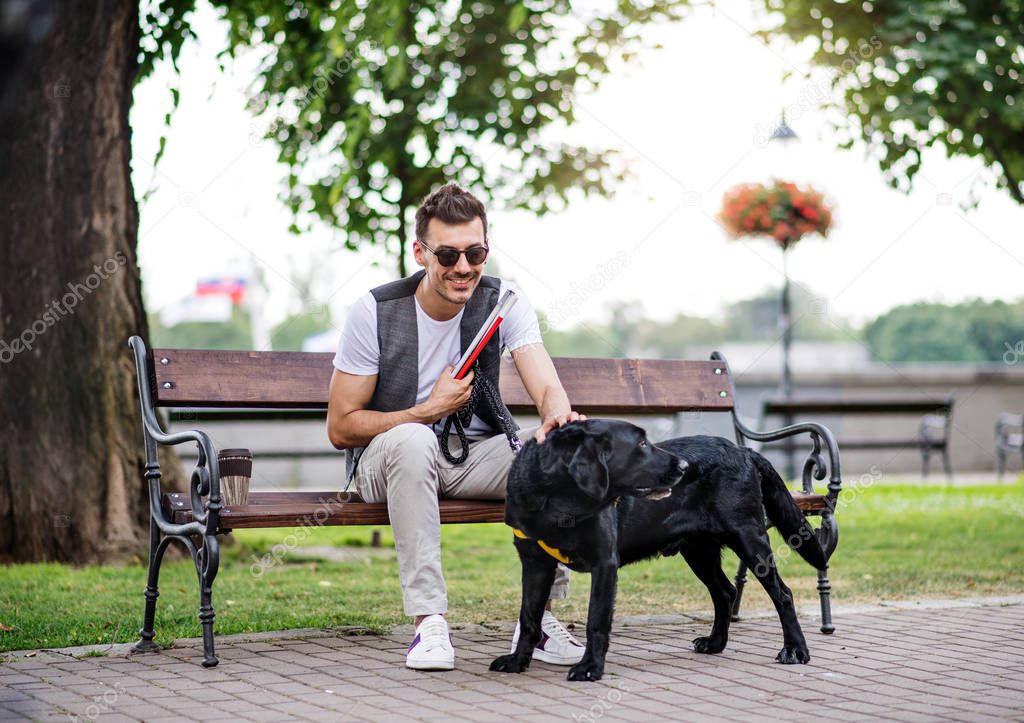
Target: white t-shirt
[439,344]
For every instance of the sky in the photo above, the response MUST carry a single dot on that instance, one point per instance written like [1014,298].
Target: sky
[691,118]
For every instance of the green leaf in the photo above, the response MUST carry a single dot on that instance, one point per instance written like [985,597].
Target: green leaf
[394,73]
[517,16]
[334,195]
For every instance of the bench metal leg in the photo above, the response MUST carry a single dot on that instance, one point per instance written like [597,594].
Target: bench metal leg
[825,593]
[828,536]
[156,553]
[207,563]
[740,581]
[924,463]
[946,464]
[1000,464]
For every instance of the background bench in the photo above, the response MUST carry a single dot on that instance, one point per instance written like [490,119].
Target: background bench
[1009,439]
[297,383]
[934,414]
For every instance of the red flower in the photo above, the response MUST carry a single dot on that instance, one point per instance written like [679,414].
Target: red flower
[781,210]
[782,232]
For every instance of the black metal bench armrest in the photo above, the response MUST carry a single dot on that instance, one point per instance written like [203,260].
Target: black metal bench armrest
[205,478]
[815,467]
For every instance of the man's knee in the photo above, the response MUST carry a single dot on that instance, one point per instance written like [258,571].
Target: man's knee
[412,442]
[411,436]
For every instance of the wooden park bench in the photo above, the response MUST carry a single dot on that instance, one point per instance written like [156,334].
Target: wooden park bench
[240,380]
[934,413]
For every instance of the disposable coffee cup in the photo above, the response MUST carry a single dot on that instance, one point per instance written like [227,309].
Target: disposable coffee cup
[235,473]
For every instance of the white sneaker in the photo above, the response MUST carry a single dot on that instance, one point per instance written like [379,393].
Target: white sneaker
[557,645]
[431,649]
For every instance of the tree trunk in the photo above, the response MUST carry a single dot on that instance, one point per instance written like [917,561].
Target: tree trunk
[402,270]
[404,205]
[71,457]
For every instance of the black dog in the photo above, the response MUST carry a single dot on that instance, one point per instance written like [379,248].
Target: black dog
[593,496]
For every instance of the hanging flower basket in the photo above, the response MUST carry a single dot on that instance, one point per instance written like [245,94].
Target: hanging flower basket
[781,210]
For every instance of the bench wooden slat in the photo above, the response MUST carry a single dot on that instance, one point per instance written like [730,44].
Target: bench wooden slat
[868,444]
[179,500]
[873,405]
[809,502]
[297,509]
[631,386]
[266,513]
[225,414]
[295,380]
[890,443]
[214,378]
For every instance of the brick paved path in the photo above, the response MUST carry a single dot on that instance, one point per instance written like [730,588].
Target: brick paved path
[959,661]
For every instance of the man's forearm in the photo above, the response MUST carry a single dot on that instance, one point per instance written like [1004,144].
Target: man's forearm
[554,404]
[361,426]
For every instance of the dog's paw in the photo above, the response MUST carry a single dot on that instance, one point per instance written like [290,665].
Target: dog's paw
[509,664]
[585,670]
[791,654]
[708,645]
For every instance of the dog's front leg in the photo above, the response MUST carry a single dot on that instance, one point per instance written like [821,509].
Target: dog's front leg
[538,575]
[603,582]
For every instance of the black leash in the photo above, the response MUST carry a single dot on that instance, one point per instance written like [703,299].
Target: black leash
[483,391]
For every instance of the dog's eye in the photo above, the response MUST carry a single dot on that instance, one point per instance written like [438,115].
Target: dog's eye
[643,443]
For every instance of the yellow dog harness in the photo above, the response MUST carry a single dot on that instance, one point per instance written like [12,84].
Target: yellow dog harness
[553,551]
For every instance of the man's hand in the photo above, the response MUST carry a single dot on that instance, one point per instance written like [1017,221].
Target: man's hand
[552,422]
[448,395]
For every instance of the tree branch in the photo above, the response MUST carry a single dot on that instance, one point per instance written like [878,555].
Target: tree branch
[1012,184]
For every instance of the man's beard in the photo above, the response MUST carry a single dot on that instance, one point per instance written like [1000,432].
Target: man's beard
[468,278]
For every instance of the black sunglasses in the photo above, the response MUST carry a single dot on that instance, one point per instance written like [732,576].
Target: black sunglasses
[445,256]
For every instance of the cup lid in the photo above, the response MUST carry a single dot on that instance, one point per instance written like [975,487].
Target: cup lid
[239,452]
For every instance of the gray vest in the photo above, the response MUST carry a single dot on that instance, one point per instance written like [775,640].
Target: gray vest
[398,340]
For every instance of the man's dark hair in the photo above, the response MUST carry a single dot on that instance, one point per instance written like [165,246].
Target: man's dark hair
[450,204]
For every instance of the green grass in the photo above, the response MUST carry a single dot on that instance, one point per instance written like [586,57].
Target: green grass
[901,542]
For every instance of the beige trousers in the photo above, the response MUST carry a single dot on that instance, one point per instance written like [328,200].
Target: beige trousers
[405,468]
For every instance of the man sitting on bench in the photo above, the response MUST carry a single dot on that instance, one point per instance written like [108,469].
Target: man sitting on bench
[392,390]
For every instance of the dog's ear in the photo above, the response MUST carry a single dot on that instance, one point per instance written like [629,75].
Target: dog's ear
[558,447]
[589,466]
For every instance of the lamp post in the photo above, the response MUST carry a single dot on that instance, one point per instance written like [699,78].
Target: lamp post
[784,137]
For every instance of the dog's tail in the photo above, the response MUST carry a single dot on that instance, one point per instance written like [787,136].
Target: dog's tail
[785,515]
